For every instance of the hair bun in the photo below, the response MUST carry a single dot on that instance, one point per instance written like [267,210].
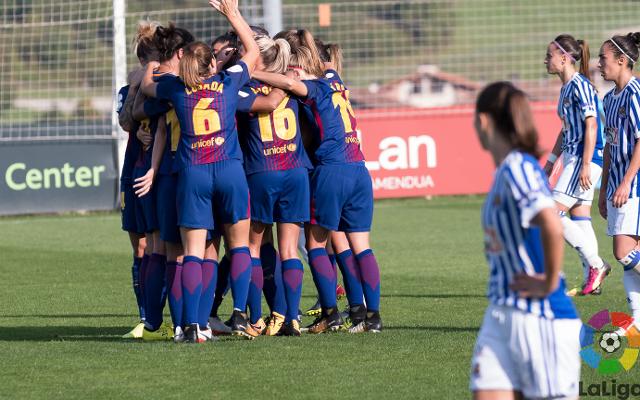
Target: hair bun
[635,36]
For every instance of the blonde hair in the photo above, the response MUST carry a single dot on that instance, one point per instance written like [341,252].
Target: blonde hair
[275,53]
[304,53]
[195,63]
[142,44]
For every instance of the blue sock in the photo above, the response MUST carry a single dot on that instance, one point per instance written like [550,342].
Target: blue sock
[272,273]
[332,258]
[174,287]
[191,288]
[154,281]
[240,276]
[209,278]
[324,277]
[351,277]
[254,300]
[142,274]
[292,272]
[135,278]
[222,284]
[370,273]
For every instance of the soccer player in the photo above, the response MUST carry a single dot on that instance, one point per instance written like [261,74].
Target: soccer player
[528,345]
[619,199]
[341,191]
[143,48]
[277,172]
[170,42]
[581,142]
[209,164]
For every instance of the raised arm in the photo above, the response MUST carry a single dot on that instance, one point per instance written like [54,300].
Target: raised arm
[229,8]
[283,82]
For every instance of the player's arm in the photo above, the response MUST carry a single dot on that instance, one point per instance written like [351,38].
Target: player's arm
[541,285]
[143,184]
[229,8]
[604,182]
[148,86]
[125,118]
[266,104]
[621,195]
[283,82]
[553,156]
[590,132]
[138,107]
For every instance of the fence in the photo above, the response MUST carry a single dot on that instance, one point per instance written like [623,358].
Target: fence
[402,58]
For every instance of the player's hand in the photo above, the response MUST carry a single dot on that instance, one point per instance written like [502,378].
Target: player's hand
[228,8]
[621,195]
[144,137]
[143,184]
[531,285]
[548,168]
[585,177]
[602,204]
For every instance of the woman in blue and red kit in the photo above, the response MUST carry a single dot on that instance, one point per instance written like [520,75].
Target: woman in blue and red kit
[209,165]
[341,191]
[277,172]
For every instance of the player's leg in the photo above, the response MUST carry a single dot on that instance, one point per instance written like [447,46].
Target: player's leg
[594,276]
[138,244]
[292,274]
[254,298]
[273,288]
[626,249]
[209,277]
[350,275]
[222,287]
[155,292]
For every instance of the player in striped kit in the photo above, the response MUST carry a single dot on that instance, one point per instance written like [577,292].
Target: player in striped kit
[581,142]
[341,191]
[620,193]
[209,165]
[528,345]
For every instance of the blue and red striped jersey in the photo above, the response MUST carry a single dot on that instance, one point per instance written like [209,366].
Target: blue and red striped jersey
[153,109]
[270,141]
[329,101]
[133,145]
[207,116]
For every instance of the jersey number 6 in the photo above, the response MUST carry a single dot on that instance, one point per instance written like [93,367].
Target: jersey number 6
[205,120]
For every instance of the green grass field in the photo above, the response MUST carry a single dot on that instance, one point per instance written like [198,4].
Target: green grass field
[66,299]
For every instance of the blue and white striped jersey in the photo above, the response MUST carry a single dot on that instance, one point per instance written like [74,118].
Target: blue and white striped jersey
[622,127]
[578,100]
[512,246]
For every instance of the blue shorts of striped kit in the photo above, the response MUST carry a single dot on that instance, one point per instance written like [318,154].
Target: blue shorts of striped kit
[220,186]
[342,197]
[166,186]
[280,196]
[146,206]
[128,208]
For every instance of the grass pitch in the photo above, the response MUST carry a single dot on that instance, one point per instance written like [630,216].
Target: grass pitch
[66,299]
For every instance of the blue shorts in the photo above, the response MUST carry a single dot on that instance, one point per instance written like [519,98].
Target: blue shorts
[220,186]
[280,196]
[146,206]
[342,198]
[128,208]
[166,205]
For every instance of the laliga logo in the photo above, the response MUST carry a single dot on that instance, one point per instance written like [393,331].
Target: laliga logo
[606,335]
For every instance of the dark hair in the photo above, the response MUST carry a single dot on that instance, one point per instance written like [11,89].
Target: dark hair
[195,63]
[578,49]
[229,37]
[258,30]
[330,53]
[509,110]
[629,43]
[168,40]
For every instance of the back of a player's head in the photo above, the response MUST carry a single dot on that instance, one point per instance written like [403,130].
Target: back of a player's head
[331,53]
[227,43]
[510,113]
[258,30]
[169,40]
[195,63]
[275,53]
[143,44]
[576,49]
[627,46]
[304,52]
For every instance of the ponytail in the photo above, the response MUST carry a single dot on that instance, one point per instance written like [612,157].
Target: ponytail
[584,58]
[275,53]
[314,63]
[195,64]
[335,56]
[511,114]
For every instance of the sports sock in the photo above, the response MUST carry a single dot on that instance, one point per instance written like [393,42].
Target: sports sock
[174,287]
[370,273]
[254,299]
[222,283]
[292,273]
[240,276]
[332,258]
[209,277]
[191,288]
[576,237]
[141,279]
[631,279]
[324,277]
[590,236]
[272,273]
[135,278]
[351,277]
[153,283]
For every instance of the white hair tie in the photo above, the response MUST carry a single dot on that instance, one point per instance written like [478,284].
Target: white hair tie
[622,51]
[564,51]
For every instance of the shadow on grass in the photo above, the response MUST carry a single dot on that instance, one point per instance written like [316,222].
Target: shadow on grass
[446,329]
[62,333]
[435,296]
[66,316]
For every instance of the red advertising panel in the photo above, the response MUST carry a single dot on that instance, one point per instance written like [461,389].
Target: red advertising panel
[435,152]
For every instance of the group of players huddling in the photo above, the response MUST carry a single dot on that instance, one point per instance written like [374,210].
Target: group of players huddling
[231,138]
[529,343]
